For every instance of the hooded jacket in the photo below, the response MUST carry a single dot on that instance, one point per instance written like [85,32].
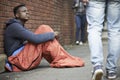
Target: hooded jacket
[16,34]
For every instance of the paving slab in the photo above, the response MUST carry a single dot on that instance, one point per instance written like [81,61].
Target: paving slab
[45,72]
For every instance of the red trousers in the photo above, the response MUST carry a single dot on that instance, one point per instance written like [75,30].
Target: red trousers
[52,51]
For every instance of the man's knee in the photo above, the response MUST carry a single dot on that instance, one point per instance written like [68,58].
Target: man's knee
[45,27]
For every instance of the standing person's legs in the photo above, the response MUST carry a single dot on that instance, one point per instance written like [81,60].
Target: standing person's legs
[113,18]
[78,24]
[95,17]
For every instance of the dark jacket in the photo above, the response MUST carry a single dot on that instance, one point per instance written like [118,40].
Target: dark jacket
[16,34]
[79,7]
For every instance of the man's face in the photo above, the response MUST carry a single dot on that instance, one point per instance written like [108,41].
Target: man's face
[23,13]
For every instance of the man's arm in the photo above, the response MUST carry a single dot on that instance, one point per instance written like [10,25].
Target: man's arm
[24,34]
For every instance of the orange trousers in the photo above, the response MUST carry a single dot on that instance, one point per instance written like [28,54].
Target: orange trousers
[52,51]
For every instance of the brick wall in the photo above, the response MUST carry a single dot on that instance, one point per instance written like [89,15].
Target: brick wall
[56,13]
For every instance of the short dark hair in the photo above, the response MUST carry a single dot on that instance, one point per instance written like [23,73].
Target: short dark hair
[15,9]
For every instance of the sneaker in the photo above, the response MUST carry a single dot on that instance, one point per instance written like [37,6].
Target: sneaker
[81,43]
[111,75]
[8,66]
[77,42]
[98,73]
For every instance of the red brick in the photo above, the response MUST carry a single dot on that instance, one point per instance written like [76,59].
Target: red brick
[56,13]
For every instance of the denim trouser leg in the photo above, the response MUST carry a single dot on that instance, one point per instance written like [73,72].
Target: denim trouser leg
[113,19]
[78,26]
[83,25]
[95,17]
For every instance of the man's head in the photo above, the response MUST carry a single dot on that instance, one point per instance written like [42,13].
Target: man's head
[21,12]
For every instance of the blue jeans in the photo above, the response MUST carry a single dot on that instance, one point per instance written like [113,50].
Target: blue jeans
[95,16]
[80,27]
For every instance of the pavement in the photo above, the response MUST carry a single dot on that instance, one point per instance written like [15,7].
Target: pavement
[2,62]
[45,72]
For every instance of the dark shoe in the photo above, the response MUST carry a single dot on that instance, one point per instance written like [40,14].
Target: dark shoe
[97,73]
[111,75]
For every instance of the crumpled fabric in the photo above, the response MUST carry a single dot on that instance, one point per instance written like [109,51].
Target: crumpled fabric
[30,57]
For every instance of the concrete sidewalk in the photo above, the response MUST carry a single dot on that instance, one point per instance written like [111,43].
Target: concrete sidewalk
[44,72]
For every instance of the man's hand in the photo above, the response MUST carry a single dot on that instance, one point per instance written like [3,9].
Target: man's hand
[56,34]
[85,2]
